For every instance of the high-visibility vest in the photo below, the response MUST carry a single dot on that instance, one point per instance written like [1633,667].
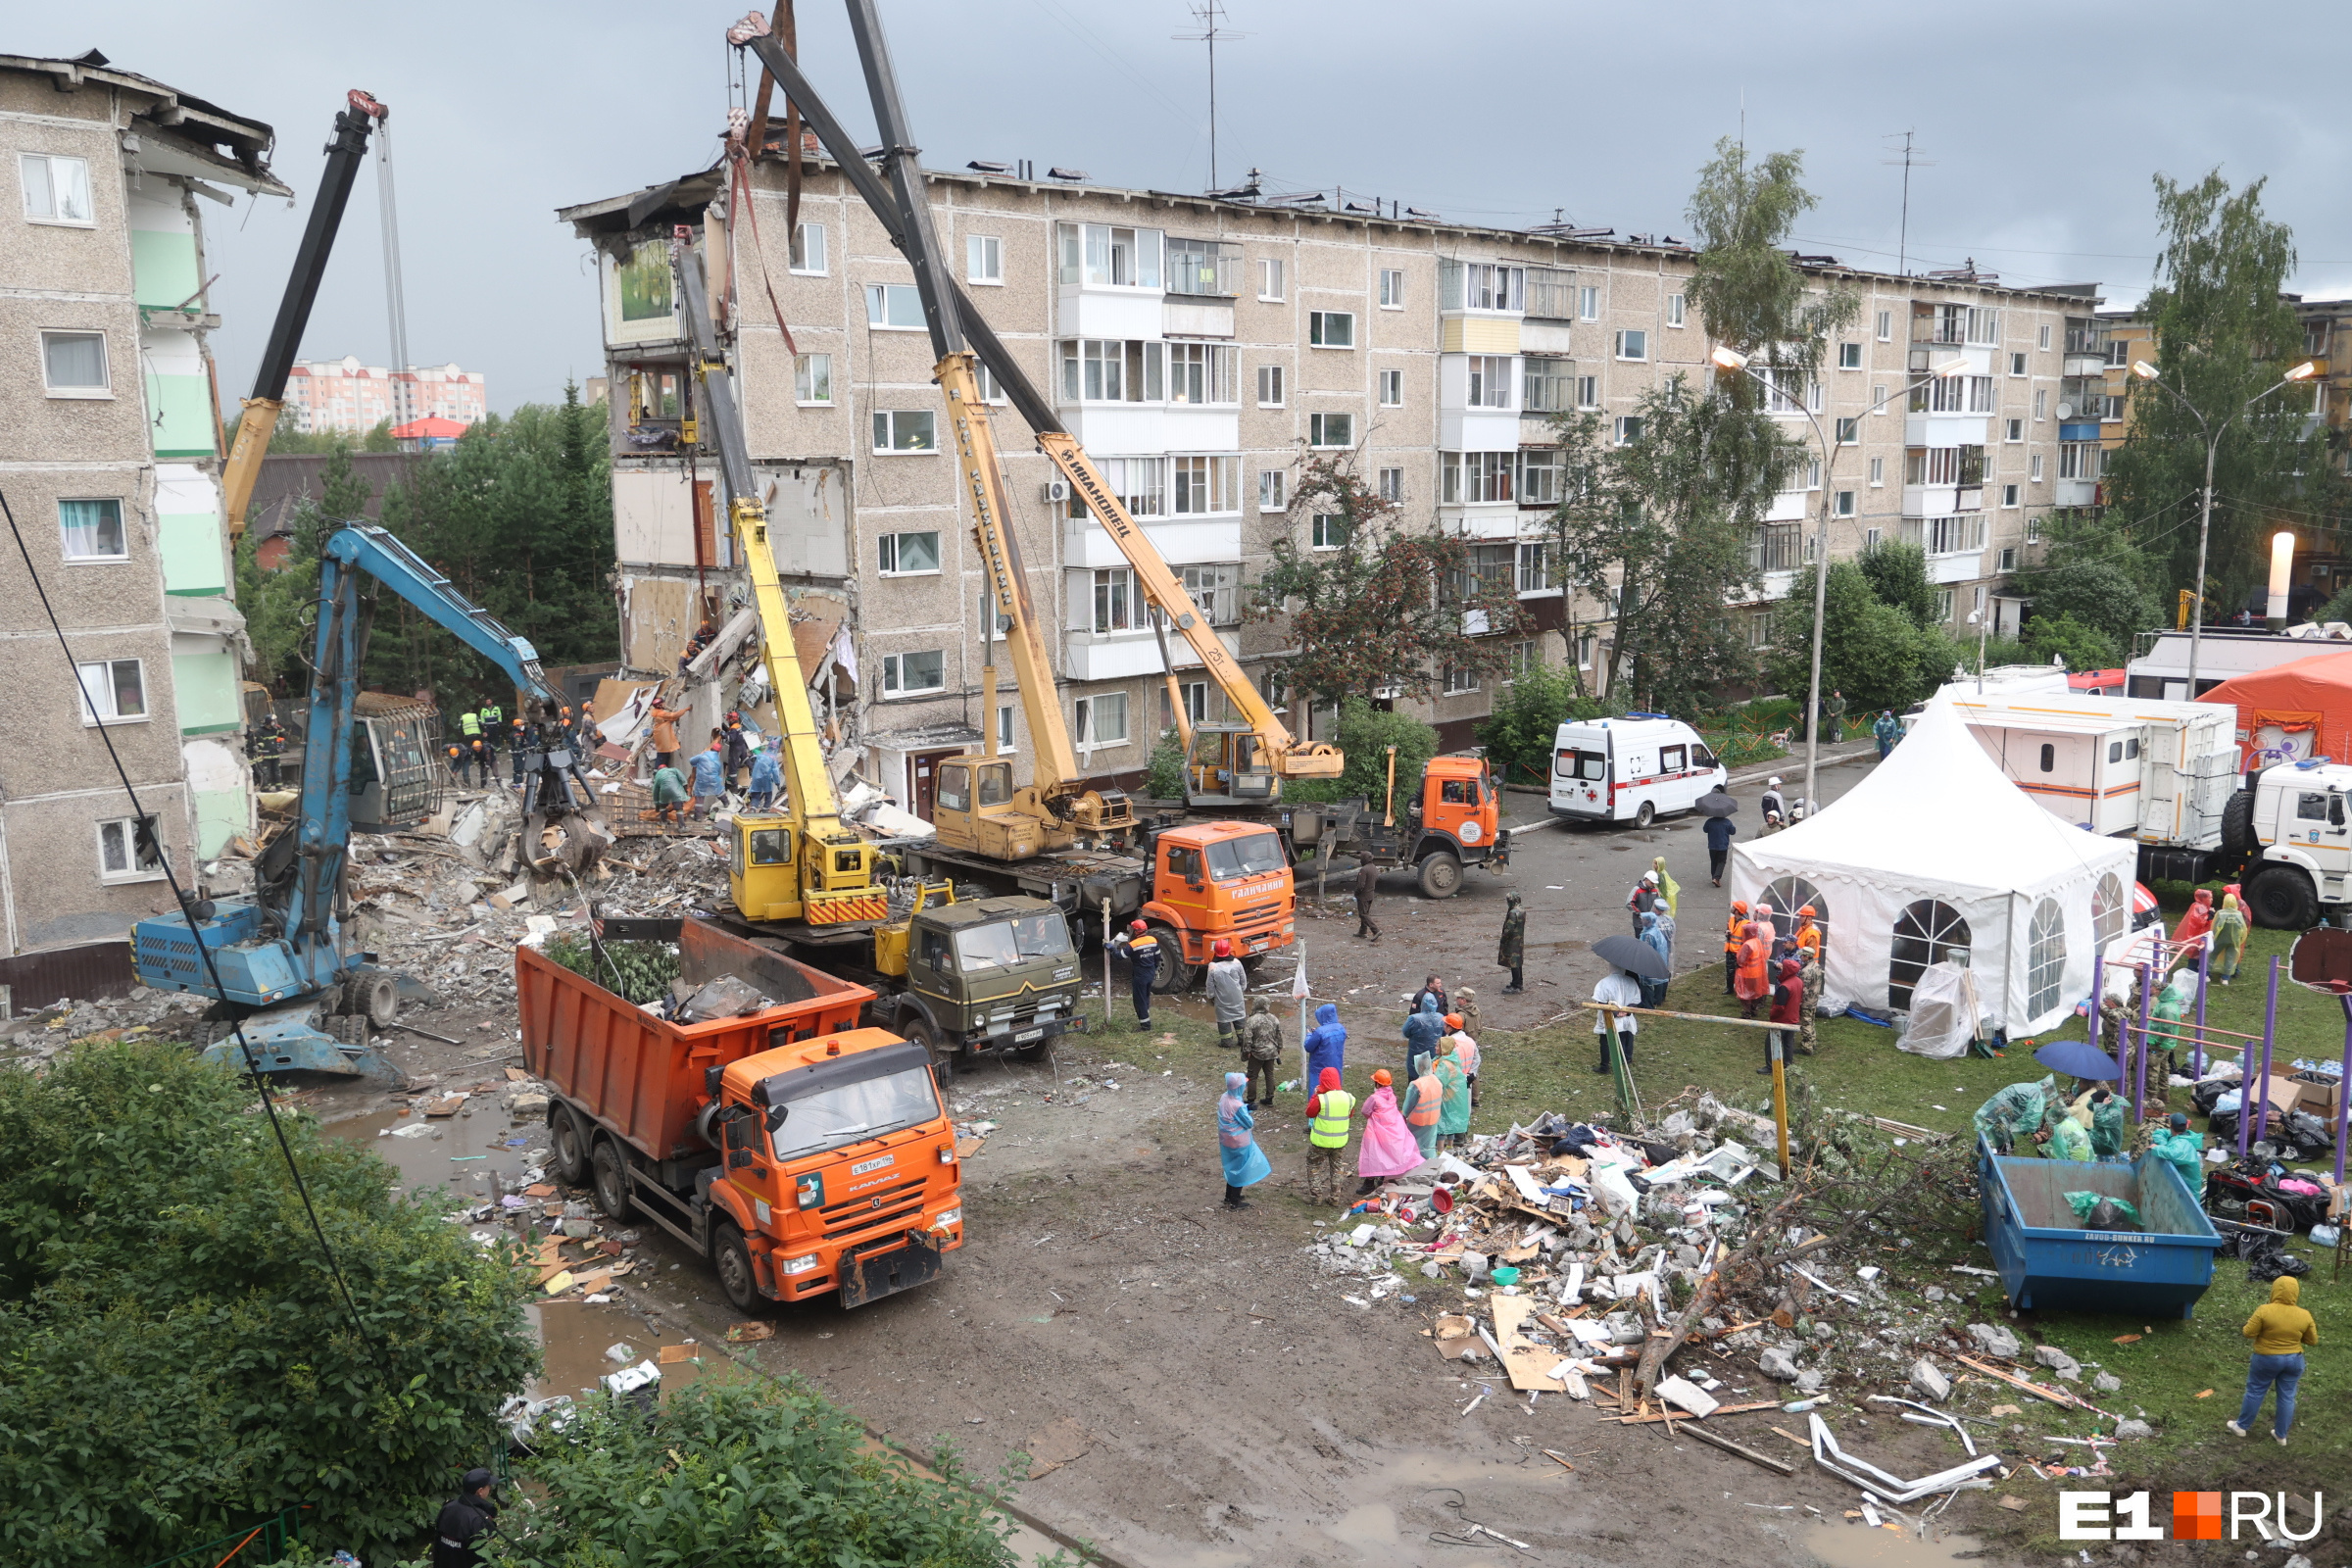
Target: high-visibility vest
[1731,932]
[492,713]
[470,724]
[1332,1111]
[1431,1101]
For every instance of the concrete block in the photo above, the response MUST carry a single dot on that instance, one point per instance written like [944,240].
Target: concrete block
[1929,1380]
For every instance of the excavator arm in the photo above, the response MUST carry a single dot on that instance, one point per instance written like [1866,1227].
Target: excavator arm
[815,868]
[258,420]
[958,335]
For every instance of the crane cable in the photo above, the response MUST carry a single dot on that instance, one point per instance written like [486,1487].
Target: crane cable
[211,969]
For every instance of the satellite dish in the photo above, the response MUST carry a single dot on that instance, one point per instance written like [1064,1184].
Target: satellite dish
[2066,411]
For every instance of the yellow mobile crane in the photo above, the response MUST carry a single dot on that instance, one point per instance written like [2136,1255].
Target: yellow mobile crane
[801,862]
[1227,764]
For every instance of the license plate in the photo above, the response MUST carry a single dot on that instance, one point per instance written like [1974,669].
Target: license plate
[864,1165]
[1028,1034]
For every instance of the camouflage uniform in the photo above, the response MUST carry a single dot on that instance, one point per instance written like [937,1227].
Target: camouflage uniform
[1512,950]
[1810,975]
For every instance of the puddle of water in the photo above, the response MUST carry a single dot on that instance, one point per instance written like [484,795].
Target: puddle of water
[1851,1545]
[576,1334]
[460,1153]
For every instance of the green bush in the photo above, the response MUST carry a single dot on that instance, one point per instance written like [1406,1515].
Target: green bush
[1163,779]
[741,1476]
[179,1357]
[2082,646]
[635,971]
[1365,734]
[1527,719]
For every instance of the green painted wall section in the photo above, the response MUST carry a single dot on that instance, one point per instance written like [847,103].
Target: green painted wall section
[205,686]
[163,268]
[219,817]
[193,560]
[181,407]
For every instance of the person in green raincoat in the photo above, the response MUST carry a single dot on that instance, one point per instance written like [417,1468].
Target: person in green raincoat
[1668,886]
[2229,939]
[2103,1112]
[2069,1140]
[1453,1119]
[2185,1152]
[2018,1109]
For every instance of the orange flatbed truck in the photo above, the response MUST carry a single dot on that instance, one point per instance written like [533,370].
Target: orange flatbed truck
[796,1152]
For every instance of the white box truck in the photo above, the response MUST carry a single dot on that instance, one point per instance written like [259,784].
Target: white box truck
[1637,768]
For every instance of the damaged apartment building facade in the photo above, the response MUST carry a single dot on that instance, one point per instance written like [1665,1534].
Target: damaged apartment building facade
[1203,349]
[109,458]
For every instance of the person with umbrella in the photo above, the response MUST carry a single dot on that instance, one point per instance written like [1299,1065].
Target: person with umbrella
[1619,988]
[1653,992]
[1719,832]
[1511,952]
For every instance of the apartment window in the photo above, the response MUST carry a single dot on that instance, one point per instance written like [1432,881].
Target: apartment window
[1548,385]
[2008,558]
[1628,429]
[1955,533]
[1943,605]
[1392,484]
[2017,364]
[1460,682]
[1983,324]
[1471,478]
[1489,385]
[128,849]
[991,390]
[983,258]
[1269,279]
[907,555]
[1535,568]
[1945,394]
[1588,392]
[1588,303]
[1116,606]
[1550,293]
[1273,486]
[1331,329]
[1539,476]
[2041,396]
[1870,536]
[894,307]
[57,189]
[808,252]
[1100,719]
[1101,255]
[93,530]
[1676,310]
[2032,530]
[1878,470]
[1269,386]
[904,430]
[1633,344]
[1813,475]
[2035,475]
[1391,389]
[1520,659]
[813,377]
[1885,326]
[1207,485]
[1931,465]
[1877,400]
[1391,289]
[1849,432]
[2078,459]
[1980,394]
[1205,267]
[2044,339]
[1113,370]
[2012,429]
[1845,502]
[1004,728]
[1849,356]
[1204,372]
[1584,645]
[1328,530]
[113,690]
[1331,429]
[73,365]
[1216,591]
[1139,485]
[1481,286]
[2009,496]
[911,674]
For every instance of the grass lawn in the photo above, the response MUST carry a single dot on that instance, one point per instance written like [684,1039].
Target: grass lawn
[2164,1372]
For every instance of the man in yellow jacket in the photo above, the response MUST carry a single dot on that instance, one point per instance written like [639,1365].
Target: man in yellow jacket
[2280,1329]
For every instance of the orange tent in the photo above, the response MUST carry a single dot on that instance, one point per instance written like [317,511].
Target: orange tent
[2293,711]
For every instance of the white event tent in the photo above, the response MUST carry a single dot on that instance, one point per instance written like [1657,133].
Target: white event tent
[1937,856]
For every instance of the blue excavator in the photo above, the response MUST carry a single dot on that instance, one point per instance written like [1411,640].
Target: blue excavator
[307,999]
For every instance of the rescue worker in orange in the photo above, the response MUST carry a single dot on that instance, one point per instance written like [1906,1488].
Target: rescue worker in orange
[666,733]
[1751,983]
[1731,937]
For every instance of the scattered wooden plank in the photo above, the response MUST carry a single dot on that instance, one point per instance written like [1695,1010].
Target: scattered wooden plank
[1699,1430]
[2055,1395]
[1720,1410]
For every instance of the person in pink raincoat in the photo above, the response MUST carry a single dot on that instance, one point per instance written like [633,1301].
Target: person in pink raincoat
[1388,1147]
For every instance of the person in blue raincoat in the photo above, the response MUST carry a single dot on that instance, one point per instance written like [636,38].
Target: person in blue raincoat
[767,777]
[1653,992]
[1422,1032]
[1325,1044]
[2184,1150]
[1246,1164]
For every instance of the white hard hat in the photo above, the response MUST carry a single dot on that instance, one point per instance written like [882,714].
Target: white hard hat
[1773,783]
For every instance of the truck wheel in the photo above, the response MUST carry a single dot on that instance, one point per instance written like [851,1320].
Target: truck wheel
[2238,822]
[1645,814]
[612,1180]
[374,996]
[2281,898]
[1440,875]
[568,1143]
[1175,977]
[731,1262]
[918,1031]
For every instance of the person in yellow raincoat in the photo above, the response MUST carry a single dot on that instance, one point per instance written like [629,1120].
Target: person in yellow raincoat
[2229,933]
[1669,886]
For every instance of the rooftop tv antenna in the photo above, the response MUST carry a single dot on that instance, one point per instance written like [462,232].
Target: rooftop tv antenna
[1211,15]
[1909,160]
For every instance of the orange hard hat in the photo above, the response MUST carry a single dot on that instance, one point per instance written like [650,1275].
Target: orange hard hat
[1379,1076]
[1454,1021]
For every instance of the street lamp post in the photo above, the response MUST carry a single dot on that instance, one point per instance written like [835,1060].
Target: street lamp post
[2213,446]
[1731,359]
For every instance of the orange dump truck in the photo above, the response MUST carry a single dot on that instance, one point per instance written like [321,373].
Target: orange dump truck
[796,1152]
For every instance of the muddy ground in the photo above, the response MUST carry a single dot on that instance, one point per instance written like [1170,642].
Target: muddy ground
[1211,1398]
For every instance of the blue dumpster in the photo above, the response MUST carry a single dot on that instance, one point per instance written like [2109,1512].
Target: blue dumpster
[2049,1261]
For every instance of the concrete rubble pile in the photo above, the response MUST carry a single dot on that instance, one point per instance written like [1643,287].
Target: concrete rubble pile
[1572,1246]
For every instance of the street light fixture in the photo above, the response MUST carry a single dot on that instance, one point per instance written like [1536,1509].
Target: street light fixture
[2213,446]
[1726,358]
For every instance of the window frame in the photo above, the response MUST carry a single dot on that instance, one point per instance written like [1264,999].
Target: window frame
[1843,504]
[1678,310]
[804,377]
[887,548]
[894,673]
[1392,288]
[1319,324]
[797,252]
[2017,362]
[1318,432]
[2035,475]
[1885,326]
[1084,713]
[1271,280]
[65,531]
[1849,356]
[930,418]
[89,194]
[1114,605]
[882,294]
[128,826]
[1390,385]
[2012,495]
[91,717]
[1848,430]
[1587,302]
[1210,475]
[106,363]
[1587,394]
[1272,372]
[1627,429]
[1390,485]
[1322,535]
[1627,335]
[1273,490]
[984,259]
[1484,376]
[1878,474]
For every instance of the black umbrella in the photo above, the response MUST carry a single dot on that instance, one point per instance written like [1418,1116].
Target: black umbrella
[1715,803]
[1632,953]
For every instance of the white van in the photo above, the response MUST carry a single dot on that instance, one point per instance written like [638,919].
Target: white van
[1636,768]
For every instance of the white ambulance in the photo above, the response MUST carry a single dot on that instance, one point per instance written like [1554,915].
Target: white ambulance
[1637,768]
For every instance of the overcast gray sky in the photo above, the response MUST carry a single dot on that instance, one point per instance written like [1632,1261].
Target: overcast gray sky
[2039,127]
